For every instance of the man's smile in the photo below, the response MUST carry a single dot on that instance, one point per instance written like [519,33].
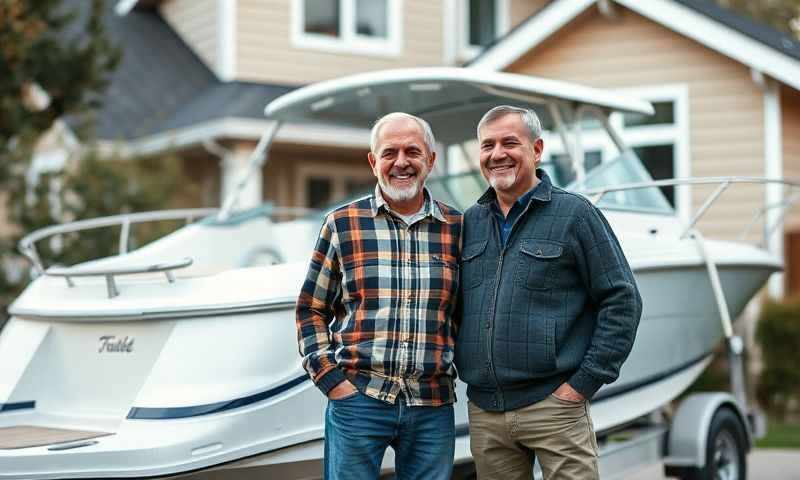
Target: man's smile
[503,168]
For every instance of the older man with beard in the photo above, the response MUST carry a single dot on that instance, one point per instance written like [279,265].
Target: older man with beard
[550,311]
[374,317]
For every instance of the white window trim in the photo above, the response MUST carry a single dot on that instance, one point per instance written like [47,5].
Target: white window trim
[678,134]
[349,41]
[226,38]
[502,25]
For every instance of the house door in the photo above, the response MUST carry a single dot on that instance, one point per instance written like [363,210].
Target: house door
[792,263]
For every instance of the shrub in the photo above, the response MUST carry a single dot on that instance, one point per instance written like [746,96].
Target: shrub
[778,333]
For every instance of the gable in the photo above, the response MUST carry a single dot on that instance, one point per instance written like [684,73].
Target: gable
[675,15]
[723,127]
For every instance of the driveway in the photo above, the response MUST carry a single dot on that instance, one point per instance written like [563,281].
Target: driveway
[762,464]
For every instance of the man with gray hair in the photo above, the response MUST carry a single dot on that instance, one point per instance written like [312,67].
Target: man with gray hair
[374,317]
[549,311]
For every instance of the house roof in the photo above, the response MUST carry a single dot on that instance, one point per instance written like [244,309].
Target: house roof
[755,30]
[161,84]
[756,45]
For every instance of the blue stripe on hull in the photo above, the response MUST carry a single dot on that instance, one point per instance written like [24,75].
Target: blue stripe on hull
[194,411]
[167,413]
[9,407]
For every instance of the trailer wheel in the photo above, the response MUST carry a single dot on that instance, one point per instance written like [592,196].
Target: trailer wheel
[726,450]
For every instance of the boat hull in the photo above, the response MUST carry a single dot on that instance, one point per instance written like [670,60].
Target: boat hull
[235,404]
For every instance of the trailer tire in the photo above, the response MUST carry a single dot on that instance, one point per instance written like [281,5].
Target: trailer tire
[726,450]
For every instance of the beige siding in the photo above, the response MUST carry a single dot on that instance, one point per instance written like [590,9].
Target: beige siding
[520,10]
[725,106]
[790,110]
[196,22]
[265,52]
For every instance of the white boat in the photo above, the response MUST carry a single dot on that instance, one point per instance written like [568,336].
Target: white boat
[181,356]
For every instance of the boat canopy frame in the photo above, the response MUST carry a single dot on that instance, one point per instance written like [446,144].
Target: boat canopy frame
[470,91]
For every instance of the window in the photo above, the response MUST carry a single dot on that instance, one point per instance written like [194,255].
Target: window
[664,115]
[483,22]
[661,140]
[659,160]
[315,189]
[370,27]
[318,192]
[652,138]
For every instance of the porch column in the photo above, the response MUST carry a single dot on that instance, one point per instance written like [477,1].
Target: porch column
[235,168]
[773,168]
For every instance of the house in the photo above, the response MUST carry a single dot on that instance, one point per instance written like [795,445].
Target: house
[196,75]
[726,92]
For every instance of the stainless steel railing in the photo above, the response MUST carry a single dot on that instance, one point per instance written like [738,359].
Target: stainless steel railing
[27,246]
[595,195]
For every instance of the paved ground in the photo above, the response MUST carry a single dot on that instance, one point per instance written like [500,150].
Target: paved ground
[763,464]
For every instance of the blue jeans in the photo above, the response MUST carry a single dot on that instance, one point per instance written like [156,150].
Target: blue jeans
[358,429]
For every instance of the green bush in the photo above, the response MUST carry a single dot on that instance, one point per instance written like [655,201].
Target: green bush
[778,334]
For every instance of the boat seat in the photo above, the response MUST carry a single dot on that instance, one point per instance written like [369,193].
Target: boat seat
[24,436]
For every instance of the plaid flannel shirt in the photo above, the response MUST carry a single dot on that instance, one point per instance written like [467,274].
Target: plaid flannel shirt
[376,307]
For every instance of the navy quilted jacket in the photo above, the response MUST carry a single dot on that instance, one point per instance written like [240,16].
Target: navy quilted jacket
[558,303]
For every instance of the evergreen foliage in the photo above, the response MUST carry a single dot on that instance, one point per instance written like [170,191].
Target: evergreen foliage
[55,63]
[778,333]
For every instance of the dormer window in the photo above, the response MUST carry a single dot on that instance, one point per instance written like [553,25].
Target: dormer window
[370,27]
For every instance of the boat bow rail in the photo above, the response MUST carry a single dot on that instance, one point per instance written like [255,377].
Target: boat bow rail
[791,195]
[109,274]
[27,246]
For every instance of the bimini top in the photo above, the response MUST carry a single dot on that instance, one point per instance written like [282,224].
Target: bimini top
[451,99]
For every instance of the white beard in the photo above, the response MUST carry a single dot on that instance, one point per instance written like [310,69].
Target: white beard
[403,194]
[503,181]
[399,194]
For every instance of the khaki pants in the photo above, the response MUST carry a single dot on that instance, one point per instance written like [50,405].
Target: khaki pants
[559,433]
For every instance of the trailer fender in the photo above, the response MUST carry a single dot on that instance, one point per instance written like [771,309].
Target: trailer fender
[688,434]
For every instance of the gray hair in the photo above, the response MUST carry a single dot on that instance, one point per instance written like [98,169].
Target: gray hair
[528,116]
[430,142]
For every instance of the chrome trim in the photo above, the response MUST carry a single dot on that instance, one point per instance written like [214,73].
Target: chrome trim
[217,310]
[27,245]
[595,195]
[109,274]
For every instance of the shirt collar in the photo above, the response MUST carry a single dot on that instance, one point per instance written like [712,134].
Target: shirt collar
[377,202]
[542,192]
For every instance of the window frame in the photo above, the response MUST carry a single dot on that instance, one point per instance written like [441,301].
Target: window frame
[468,51]
[676,134]
[349,41]
[307,170]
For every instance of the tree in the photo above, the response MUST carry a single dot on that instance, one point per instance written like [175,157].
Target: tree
[783,15]
[53,64]
[45,73]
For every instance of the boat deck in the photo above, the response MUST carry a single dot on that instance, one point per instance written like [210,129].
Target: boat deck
[24,436]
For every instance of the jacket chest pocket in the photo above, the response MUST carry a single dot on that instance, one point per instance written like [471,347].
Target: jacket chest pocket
[537,264]
[472,263]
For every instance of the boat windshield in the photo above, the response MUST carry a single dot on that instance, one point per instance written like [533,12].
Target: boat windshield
[463,189]
[622,170]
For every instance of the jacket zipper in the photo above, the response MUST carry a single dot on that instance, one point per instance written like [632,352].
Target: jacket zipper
[497,289]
